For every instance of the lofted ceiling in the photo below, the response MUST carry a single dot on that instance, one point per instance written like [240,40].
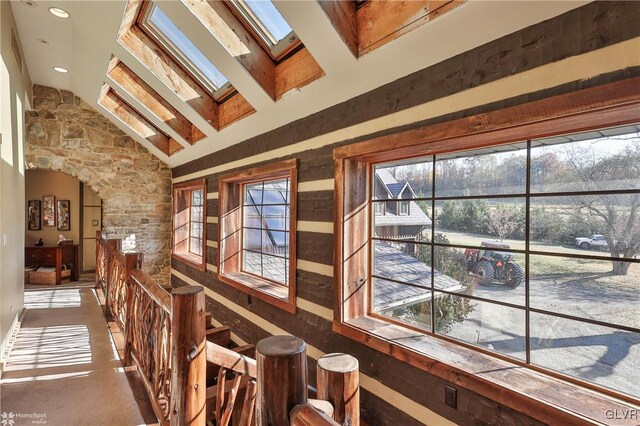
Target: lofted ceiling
[86,42]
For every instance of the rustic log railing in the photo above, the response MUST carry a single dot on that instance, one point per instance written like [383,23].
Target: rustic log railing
[168,343]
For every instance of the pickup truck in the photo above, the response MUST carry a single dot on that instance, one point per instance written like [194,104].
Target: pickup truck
[594,241]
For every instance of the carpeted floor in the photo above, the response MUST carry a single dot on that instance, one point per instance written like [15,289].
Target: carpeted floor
[64,369]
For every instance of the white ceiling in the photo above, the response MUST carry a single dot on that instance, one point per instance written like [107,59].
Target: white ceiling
[85,42]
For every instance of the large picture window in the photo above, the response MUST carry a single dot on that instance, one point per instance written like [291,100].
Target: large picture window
[188,223]
[524,248]
[257,232]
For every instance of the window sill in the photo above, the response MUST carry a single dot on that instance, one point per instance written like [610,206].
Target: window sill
[538,395]
[190,259]
[274,294]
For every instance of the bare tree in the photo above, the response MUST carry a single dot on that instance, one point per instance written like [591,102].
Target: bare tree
[618,214]
[501,221]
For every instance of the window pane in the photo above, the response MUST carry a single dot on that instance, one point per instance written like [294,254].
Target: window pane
[586,288]
[390,224]
[196,246]
[488,273]
[266,18]
[275,192]
[490,171]
[274,268]
[404,180]
[483,324]
[402,302]
[474,221]
[405,262]
[252,263]
[274,242]
[253,193]
[253,239]
[602,355]
[253,216]
[196,214]
[608,159]
[600,225]
[185,49]
[275,217]
[197,198]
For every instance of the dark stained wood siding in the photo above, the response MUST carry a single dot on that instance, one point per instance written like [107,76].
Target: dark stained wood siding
[588,28]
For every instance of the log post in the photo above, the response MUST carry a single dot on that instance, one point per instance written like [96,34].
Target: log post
[308,415]
[98,263]
[132,261]
[338,383]
[188,357]
[282,378]
[111,248]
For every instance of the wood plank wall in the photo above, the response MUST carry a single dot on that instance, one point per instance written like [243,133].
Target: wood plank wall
[392,392]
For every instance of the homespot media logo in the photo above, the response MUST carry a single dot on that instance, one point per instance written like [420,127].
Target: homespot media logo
[9,419]
[623,414]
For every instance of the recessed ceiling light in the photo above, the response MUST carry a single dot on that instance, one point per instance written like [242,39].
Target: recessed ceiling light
[60,13]
[60,69]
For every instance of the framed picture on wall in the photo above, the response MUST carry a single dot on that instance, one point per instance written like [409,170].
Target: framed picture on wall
[49,210]
[33,220]
[64,215]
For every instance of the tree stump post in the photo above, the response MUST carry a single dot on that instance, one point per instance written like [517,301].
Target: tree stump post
[132,261]
[112,247]
[339,383]
[282,378]
[188,357]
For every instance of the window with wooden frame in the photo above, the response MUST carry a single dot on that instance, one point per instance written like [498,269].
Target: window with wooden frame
[189,227]
[510,222]
[163,31]
[267,25]
[258,232]
[261,40]
[152,38]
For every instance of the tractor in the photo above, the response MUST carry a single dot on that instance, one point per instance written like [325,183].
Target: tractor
[491,265]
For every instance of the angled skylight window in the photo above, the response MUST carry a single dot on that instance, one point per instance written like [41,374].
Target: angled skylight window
[165,32]
[265,20]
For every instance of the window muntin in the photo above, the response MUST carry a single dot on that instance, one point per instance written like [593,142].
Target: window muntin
[265,228]
[182,49]
[196,222]
[544,203]
[264,19]
[189,222]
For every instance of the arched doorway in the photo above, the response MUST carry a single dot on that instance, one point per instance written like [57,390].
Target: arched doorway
[61,205]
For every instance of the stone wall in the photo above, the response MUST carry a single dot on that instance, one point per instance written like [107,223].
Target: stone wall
[63,133]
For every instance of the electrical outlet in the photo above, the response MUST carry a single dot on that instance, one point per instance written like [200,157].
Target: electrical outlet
[451,396]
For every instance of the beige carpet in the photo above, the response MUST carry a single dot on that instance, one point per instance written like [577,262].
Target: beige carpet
[63,369]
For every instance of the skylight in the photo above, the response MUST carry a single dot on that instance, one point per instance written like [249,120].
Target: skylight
[170,36]
[263,17]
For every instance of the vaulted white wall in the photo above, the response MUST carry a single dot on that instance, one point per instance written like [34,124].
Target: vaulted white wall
[15,88]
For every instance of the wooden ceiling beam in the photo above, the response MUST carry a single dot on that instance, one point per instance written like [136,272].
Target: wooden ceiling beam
[376,23]
[113,103]
[379,22]
[152,101]
[342,14]
[147,51]
[143,48]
